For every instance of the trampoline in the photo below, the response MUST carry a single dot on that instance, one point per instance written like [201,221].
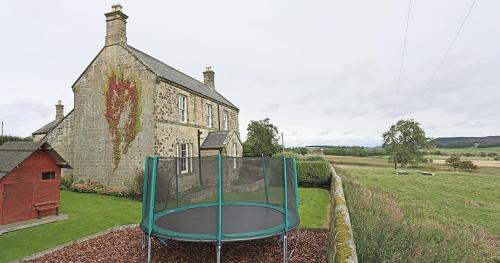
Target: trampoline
[219,199]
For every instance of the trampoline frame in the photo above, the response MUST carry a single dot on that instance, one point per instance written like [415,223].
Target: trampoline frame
[152,217]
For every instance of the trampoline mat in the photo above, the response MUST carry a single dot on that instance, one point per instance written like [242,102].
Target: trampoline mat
[236,219]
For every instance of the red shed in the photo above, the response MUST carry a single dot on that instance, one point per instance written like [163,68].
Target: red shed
[30,175]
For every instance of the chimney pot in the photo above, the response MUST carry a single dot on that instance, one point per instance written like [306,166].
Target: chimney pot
[209,77]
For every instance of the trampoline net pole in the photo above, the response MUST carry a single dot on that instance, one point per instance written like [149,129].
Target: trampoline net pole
[145,188]
[151,205]
[265,178]
[219,204]
[285,239]
[296,186]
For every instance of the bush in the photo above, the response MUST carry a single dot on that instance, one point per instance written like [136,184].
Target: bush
[467,165]
[297,156]
[314,174]
[497,158]
[314,158]
[89,186]
[67,182]
[136,187]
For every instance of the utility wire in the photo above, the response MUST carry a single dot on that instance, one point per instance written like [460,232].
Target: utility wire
[403,53]
[451,45]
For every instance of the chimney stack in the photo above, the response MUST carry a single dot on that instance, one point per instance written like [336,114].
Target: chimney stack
[208,78]
[116,26]
[59,111]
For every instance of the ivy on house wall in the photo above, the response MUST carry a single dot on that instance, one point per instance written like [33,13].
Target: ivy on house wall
[123,110]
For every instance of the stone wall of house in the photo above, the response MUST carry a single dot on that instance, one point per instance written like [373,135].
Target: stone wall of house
[61,139]
[171,131]
[93,155]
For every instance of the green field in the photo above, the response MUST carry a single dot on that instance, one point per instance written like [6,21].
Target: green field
[470,150]
[450,217]
[91,213]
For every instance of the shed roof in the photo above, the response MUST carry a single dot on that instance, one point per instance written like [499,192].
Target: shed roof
[214,140]
[14,153]
[167,72]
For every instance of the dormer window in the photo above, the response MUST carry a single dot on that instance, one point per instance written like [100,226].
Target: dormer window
[225,118]
[182,108]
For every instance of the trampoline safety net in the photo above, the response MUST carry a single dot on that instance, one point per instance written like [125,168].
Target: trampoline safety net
[219,198]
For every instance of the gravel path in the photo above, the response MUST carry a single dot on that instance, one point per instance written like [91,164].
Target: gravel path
[124,246]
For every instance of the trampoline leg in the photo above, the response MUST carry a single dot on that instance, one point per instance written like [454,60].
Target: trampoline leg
[143,240]
[149,249]
[218,252]
[285,249]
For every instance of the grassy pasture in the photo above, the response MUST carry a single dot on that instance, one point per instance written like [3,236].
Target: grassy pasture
[449,217]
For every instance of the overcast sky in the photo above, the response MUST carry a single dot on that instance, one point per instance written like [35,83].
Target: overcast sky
[325,72]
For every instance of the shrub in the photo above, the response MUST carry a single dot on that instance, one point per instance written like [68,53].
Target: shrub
[89,186]
[66,182]
[467,165]
[314,158]
[135,188]
[497,158]
[289,155]
[314,174]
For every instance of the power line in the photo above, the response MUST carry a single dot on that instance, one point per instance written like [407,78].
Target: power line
[433,76]
[403,51]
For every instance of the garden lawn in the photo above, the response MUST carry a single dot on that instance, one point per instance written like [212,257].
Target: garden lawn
[91,213]
[88,214]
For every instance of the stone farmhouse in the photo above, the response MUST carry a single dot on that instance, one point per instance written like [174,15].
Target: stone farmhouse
[128,105]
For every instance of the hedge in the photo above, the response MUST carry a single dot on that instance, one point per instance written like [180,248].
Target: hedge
[314,174]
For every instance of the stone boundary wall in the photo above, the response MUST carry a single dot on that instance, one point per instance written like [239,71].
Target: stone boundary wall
[341,247]
[80,240]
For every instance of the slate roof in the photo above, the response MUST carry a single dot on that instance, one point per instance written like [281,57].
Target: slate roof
[47,127]
[14,153]
[214,140]
[167,72]
[50,126]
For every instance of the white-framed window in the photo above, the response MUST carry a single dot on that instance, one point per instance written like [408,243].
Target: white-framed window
[235,155]
[225,117]
[182,108]
[209,116]
[184,160]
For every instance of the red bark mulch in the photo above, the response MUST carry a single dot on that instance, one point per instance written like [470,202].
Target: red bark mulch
[125,246]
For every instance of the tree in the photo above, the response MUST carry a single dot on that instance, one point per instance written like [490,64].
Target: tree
[7,138]
[262,138]
[453,161]
[405,143]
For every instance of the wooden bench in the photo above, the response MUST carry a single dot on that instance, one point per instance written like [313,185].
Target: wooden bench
[46,206]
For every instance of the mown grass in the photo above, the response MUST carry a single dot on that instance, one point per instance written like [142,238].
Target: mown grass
[87,214]
[91,213]
[451,217]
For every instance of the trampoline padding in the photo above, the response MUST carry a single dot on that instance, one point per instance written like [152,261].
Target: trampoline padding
[238,222]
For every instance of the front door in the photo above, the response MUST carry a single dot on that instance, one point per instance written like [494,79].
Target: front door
[17,204]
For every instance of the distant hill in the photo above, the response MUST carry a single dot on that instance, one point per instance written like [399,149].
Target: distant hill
[462,142]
